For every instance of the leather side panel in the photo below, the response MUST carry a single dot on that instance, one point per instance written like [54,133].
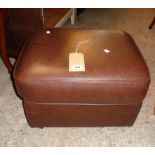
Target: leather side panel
[45,115]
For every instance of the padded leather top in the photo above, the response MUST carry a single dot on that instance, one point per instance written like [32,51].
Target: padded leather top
[41,73]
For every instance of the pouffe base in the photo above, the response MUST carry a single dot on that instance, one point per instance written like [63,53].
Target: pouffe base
[80,115]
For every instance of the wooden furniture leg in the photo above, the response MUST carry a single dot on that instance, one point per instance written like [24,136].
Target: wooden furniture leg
[3,44]
[152,23]
[73,17]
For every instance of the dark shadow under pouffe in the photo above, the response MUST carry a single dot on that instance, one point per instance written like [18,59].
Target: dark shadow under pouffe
[108,93]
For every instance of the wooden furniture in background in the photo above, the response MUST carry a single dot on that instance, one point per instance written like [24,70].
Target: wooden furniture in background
[22,22]
[56,17]
[3,44]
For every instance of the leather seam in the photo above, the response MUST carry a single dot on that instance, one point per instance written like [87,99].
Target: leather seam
[84,81]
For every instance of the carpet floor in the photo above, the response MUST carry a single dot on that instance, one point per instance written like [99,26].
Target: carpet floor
[14,130]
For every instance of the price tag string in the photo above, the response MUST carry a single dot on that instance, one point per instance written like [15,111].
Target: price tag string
[79,44]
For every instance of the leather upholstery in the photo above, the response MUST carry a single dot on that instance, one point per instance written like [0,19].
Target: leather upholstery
[46,114]
[119,77]
[42,72]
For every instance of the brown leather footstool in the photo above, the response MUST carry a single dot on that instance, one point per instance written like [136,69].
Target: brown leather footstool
[109,93]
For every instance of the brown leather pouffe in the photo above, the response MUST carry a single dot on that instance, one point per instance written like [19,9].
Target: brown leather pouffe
[108,93]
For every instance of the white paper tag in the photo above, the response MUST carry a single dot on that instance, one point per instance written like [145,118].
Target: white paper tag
[76,62]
